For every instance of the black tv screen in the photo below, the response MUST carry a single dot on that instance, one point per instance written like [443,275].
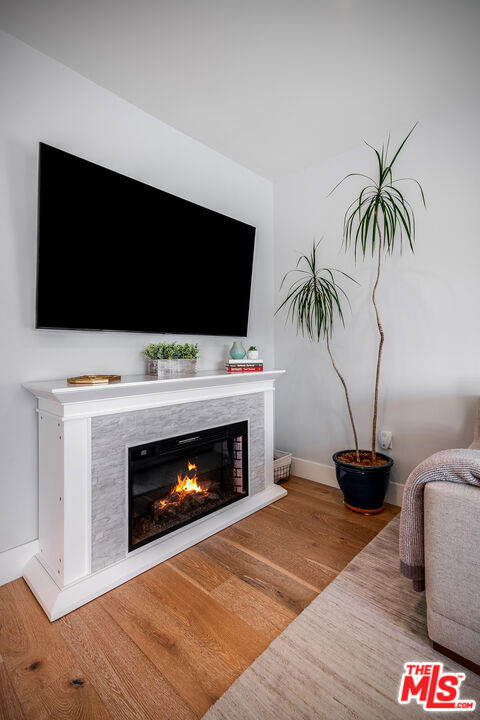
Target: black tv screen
[117,254]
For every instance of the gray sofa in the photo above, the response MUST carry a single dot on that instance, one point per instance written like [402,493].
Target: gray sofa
[452,566]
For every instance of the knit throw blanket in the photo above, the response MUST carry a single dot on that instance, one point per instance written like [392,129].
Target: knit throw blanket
[458,466]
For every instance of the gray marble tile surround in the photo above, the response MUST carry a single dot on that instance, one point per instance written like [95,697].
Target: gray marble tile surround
[112,433]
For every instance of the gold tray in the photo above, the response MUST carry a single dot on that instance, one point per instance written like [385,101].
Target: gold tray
[93,379]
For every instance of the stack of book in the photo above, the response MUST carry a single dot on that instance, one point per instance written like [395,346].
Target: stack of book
[244,365]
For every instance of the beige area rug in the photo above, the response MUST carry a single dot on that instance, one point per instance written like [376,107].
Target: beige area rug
[343,656]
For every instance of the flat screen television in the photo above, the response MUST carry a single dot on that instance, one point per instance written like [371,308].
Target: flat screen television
[117,254]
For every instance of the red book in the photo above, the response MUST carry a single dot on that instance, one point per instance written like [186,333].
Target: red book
[240,369]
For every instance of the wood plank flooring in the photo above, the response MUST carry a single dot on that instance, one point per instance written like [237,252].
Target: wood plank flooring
[168,643]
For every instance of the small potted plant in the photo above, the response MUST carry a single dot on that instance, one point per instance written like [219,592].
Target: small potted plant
[171,359]
[252,353]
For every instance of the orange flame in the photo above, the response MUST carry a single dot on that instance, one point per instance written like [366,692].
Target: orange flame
[188,484]
[183,487]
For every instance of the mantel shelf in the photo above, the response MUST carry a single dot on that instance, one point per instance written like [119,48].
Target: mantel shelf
[134,385]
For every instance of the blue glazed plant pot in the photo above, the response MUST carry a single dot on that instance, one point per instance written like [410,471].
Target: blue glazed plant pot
[237,351]
[363,487]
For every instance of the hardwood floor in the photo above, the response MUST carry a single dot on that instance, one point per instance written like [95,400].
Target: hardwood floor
[168,643]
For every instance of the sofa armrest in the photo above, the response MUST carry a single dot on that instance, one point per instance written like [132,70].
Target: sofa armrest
[452,566]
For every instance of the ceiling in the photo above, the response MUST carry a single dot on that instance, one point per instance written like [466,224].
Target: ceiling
[277,85]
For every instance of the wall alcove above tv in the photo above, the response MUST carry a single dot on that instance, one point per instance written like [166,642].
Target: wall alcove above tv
[117,254]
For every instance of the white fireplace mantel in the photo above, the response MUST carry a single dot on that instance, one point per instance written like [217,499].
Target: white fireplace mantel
[133,392]
[61,574]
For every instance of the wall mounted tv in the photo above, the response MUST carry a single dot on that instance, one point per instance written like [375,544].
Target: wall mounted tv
[117,254]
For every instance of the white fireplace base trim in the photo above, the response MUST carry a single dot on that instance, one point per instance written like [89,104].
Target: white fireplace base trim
[56,602]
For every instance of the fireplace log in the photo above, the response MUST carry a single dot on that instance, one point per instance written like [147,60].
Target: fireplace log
[156,505]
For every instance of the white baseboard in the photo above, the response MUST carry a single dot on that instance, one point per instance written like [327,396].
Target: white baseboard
[325,474]
[395,493]
[13,561]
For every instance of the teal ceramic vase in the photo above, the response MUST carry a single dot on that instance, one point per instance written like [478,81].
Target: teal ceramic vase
[237,351]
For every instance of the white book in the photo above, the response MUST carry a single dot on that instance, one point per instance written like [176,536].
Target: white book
[245,360]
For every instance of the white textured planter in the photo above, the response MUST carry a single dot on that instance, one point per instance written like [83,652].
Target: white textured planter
[252,354]
[164,368]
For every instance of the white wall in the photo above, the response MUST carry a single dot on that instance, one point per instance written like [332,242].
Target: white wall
[429,303]
[42,100]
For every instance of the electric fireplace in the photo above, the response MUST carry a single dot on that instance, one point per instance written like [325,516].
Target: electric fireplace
[178,480]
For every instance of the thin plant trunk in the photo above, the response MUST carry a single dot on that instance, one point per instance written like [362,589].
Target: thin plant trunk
[357,452]
[380,344]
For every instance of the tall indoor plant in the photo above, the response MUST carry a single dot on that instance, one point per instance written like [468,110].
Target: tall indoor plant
[376,221]
[313,302]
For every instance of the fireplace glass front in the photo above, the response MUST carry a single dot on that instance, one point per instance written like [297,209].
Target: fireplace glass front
[175,481]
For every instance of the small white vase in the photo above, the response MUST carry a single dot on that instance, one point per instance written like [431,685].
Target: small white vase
[252,354]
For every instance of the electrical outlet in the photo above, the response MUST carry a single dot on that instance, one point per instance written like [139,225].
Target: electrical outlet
[385,439]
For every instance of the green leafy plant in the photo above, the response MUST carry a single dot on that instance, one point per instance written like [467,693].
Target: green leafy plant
[376,221]
[171,351]
[151,351]
[252,347]
[189,352]
[313,302]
